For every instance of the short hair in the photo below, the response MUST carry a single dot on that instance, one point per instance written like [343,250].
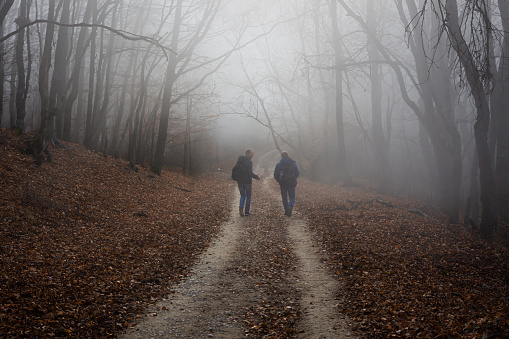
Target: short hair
[284,154]
[249,150]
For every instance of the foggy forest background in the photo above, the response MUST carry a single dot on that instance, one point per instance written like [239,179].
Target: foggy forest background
[411,95]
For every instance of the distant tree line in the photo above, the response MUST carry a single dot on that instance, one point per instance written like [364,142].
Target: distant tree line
[409,94]
[110,74]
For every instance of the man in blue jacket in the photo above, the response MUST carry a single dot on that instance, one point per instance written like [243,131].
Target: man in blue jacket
[286,174]
[245,182]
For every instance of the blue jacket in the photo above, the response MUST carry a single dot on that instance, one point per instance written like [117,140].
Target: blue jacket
[279,168]
[246,177]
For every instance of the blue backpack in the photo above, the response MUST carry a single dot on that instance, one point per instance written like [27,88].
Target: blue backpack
[287,174]
[237,171]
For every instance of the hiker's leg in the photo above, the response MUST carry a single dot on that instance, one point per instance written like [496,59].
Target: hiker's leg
[284,196]
[248,198]
[242,190]
[291,195]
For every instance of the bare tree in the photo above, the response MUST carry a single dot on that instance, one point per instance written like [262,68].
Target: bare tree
[475,80]
[181,61]
[437,122]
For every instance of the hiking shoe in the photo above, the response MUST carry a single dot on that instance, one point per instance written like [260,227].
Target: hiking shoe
[289,213]
[241,211]
[247,214]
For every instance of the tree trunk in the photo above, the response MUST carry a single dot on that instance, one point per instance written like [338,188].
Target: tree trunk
[12,96]
[5,6]
[2,74]
[58,90]
[343,165]
[44,68]
[128,77]
[472,210]
[437,118]
[187,168]
[100,118]
[135,132]
[325,86]
[157,161]
[75,79]
[91,81]
[502,125]
[21,92]
[380,142]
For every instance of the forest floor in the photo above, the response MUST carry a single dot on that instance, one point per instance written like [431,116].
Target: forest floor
[89,248]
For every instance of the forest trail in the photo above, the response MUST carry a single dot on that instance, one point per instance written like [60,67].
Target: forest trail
[209,302]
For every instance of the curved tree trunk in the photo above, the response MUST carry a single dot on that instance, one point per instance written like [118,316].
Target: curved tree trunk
[437,117]
[489,215]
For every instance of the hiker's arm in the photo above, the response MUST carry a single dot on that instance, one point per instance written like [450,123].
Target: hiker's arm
[254,176]
[276,172]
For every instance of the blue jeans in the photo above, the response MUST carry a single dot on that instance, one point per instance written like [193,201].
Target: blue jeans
[287,192]
[245,196]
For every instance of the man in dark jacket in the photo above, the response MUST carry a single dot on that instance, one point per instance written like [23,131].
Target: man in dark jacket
[245,182]
[286,174]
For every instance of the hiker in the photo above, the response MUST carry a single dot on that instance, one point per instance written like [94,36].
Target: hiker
[286,174]
[245,180]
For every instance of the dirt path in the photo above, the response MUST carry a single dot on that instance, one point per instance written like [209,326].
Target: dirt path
[320,315]
[211,301]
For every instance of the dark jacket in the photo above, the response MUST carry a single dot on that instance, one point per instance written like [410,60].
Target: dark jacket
[248,175]
[279,168]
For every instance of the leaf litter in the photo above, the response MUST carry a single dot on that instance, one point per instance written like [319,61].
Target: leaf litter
[405,275]
[87,244]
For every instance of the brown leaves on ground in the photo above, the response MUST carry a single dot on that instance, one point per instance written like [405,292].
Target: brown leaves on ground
[85,243]
[405,275]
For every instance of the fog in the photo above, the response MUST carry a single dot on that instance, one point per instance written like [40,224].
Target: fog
[372,91]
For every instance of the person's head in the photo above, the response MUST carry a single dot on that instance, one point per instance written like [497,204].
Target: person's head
[249,153]
[284,154]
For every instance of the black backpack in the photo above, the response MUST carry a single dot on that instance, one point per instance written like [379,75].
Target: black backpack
[237,171]
[287,175]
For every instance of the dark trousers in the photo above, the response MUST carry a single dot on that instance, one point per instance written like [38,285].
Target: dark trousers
[245,196]
[287,192]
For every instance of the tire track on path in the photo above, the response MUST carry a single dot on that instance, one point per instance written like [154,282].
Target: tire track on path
[231,292]
[205,302]
[320,317]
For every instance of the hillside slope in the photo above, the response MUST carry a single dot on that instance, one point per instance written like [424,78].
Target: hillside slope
[406,272]
[85,243]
